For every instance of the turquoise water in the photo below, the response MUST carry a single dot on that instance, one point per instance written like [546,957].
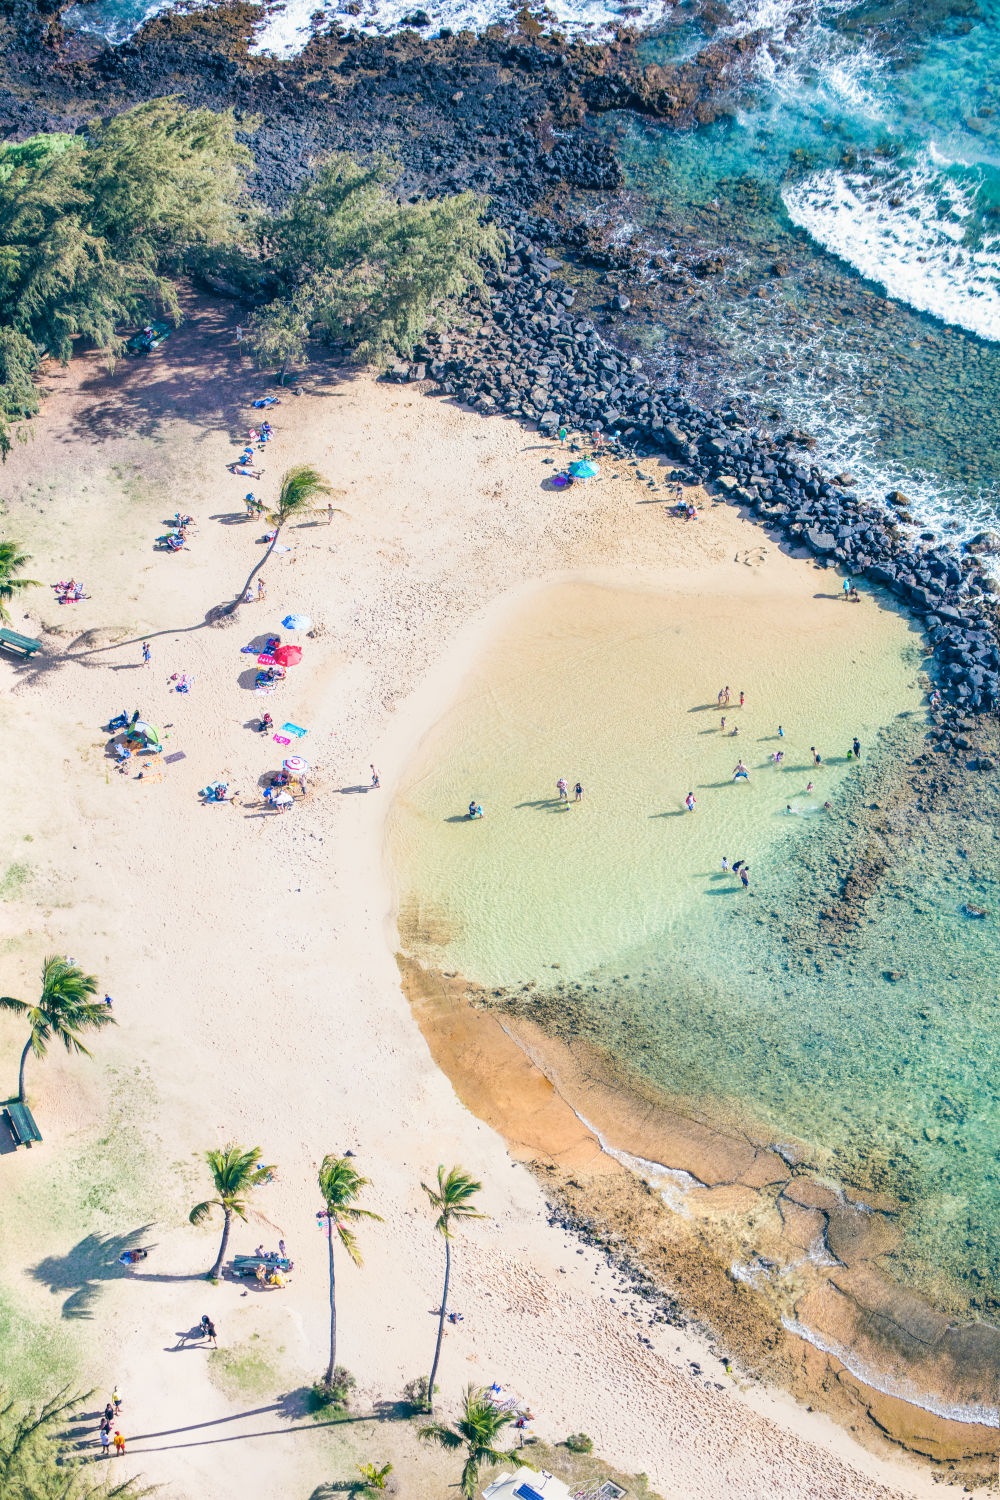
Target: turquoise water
[862,158]
[869,1052]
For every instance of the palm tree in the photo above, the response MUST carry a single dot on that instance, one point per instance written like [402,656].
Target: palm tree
[301,486]
[236,1173]
[64,1009]
[452,1200]
[340,1185]
[477,1430]
[12,560]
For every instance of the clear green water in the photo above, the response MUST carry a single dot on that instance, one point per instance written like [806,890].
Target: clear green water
[739,1003]
[618,916]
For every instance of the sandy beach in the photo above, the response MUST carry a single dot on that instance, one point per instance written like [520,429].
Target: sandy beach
[251,956]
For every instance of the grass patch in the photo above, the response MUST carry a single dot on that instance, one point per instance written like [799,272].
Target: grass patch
[13,881]
[244,1370]
[37,1360]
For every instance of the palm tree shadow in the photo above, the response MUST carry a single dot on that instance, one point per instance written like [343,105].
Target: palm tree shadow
[92,1261]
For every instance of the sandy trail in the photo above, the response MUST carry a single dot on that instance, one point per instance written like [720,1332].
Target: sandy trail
[249,955]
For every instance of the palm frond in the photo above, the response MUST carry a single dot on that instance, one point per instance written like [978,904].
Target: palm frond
[438,1433]
[201,1211]
[7,1002]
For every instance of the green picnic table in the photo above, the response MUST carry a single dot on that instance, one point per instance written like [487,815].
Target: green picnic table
[22,1124]
[25,644]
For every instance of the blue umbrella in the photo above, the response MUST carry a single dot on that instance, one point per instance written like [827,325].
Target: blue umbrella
[584,468]
[297,622]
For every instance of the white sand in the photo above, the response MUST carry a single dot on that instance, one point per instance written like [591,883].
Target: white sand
[250,955]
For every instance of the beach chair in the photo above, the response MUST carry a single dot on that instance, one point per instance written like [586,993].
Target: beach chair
[24,645]
[22,1124]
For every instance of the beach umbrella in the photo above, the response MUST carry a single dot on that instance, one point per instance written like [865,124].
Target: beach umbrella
[296,765]
[288,656]
[584,468]
[297,622]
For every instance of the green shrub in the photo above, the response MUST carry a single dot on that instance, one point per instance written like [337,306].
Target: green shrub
[333,1394]
[579,1442]
[415,1394]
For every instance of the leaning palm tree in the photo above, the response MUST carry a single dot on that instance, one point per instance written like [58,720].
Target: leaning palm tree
[301,487]
[63,1010]
[452,1200]
[340,1185]
[477,1431]
[236,1173]
[12,560]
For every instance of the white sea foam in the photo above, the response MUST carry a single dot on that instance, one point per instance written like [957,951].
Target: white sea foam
[890,1385]
[905,230]
[289,25]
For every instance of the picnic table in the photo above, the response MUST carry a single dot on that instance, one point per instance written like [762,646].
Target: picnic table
[22,1124]
[246,1265]
[25,644]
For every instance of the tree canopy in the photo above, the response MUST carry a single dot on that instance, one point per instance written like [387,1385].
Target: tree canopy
[34,1448]
[95,228]
[367,270]
[91,225]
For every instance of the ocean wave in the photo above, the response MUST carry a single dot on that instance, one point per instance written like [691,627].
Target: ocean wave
[289,25]
[904,230]
[979,1414]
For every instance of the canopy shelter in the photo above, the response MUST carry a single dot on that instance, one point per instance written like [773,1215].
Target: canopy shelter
[584,468]
[527,1484]
[147,733]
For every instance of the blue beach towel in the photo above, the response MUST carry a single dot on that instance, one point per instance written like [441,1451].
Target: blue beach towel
[294,729]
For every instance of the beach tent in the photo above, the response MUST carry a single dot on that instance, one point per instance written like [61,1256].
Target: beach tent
[149,734]
[584,468]
[287,656]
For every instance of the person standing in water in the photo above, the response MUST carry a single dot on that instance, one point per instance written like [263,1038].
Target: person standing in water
[725,865]
[740,772]
[745,876]
[817,758]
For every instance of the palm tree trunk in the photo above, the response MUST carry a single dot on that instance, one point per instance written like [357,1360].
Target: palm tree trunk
[441,1318]
[231,608]
[20,1076]
[226,1226]
[333,1304]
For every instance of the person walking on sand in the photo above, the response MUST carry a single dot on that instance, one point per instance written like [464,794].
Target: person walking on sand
[376,783]
[329,515]
[725,865]
[116,1400]
[740,772]
[105,1441]
[781,733]
[562,437]
[119,1444]
[742,697]
[721,697]
[561,789]
[578,792]
[722,723]
[817,758]
[145,653]
[848,585]
[690,801]
[260,590]
[856,747]
[725,695]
